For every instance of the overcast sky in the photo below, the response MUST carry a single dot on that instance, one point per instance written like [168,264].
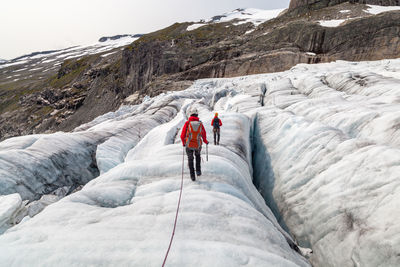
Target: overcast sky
[36,25]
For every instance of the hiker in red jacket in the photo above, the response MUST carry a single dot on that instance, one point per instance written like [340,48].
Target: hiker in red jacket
[192,133]
[216,123]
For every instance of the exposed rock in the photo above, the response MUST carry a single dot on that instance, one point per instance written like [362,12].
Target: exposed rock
[279,49]
[68,98]
[324,3]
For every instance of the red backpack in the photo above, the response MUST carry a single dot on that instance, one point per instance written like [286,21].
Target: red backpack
[193,135]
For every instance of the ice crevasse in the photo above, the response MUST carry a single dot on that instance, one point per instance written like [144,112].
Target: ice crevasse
[125,215]
[319,142]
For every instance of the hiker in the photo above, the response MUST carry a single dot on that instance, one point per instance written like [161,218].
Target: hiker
[192,133]
[216,123]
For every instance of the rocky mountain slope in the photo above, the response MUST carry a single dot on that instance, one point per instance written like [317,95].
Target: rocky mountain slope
[30,88]
[233,44]
[324,3]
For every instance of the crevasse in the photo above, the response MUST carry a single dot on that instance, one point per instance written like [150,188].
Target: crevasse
[322,151]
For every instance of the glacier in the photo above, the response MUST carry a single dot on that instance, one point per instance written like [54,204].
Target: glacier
[308,158]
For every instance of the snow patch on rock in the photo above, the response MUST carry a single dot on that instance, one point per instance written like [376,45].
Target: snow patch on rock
[375,9]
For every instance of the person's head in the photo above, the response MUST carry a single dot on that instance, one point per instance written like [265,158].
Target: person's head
[216,114]
[194,112]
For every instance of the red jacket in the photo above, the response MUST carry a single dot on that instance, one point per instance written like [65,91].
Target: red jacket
[212,122]
[184,129]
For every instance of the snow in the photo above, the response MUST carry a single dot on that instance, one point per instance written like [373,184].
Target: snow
[372,9]
[49,60]
[57,57]
[108,54]
[320,159]
[13,64]
[249,31]
[118,42]
[20,70]
[195,26]
[76,56]
[375,9]
[331,23]
[253,15]
[35,69]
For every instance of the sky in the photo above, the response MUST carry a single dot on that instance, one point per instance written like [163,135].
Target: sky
[28,26]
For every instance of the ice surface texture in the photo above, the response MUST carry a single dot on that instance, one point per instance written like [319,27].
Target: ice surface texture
[125,216]
[328,137]
[9,206]
[321,142]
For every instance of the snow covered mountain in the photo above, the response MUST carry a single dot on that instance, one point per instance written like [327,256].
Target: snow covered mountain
[259,16]
[2,61]
[39,60]
[31,79]
[240,16]
[319,142]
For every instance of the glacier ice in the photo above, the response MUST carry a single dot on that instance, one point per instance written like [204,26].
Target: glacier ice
[320,142]
[124,216]
[9,206]
[329,138]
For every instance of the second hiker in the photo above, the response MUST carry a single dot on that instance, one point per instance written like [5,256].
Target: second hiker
[192,134]
[216,123]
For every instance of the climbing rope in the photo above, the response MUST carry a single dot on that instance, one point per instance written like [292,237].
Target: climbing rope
[177,209]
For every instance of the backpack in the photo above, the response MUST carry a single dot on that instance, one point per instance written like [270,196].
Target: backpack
[216,123]
[193,135]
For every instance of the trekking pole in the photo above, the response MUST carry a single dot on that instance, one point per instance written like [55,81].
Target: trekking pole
[207,151]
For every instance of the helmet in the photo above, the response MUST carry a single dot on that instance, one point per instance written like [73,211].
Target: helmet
[216,114]
[194,111]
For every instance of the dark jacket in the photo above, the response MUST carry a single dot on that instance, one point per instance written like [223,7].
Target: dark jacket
[219,122]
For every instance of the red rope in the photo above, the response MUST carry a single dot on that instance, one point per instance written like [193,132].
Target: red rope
[177,210]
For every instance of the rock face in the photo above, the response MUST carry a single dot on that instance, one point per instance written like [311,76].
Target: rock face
[325,3]
[282,47]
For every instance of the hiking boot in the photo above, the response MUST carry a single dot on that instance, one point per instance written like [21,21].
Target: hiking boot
[193,177]
[198,173]
[217,143]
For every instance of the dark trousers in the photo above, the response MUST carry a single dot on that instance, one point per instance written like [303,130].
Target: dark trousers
[216,136]
[190,152]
